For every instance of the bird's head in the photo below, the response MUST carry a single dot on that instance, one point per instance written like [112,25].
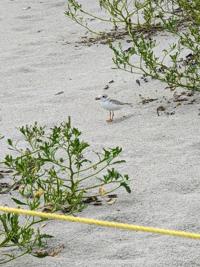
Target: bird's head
[101,97]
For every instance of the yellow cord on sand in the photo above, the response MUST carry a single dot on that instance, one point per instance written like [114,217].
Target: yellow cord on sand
[125,226]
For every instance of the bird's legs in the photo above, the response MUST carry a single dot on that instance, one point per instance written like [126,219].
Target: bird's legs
[110,118]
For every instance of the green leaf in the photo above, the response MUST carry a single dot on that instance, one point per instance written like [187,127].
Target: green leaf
[18,202]
[119,162]
[126,186]
[10,142]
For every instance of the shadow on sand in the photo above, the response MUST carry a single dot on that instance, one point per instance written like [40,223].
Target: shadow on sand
[123,118]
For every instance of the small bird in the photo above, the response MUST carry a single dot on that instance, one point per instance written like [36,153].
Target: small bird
[111,105]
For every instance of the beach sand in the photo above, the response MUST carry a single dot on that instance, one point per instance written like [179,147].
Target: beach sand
[40,57]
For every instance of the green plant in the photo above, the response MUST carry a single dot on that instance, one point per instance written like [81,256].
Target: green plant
[53,172]
[22,236]
[178,64]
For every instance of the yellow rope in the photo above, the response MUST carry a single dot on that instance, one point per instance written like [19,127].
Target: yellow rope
[117,225]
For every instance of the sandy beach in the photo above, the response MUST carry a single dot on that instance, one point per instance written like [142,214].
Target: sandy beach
[40,56]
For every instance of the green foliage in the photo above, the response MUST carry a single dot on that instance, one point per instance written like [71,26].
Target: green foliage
[179,63]
[22,236]
[53,170]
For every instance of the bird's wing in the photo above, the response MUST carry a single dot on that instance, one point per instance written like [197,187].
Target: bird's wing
[117,102]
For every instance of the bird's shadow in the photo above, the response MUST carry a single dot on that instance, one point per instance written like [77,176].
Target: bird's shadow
[123,118]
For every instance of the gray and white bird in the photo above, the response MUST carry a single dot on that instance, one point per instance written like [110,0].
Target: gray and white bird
[111,105]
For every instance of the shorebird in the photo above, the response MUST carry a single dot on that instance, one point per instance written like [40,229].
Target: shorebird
[111,105]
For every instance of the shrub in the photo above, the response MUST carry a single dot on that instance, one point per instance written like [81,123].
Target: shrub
[52,168]
[178,65]
[51,172]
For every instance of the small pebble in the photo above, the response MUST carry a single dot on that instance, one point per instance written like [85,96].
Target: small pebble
[60,93]
[112,81]
[26,8]
[138,82]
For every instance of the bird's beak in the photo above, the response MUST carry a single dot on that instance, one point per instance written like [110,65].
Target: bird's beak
[97,98]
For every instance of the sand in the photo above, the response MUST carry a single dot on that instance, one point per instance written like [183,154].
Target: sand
[40,57]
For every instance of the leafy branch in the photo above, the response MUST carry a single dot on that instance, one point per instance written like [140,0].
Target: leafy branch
[51,172]
[178,65]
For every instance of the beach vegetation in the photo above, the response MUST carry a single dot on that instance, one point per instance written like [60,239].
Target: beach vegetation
[159,38]
[54,170]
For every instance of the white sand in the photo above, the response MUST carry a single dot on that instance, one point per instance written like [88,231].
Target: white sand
[39,57]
